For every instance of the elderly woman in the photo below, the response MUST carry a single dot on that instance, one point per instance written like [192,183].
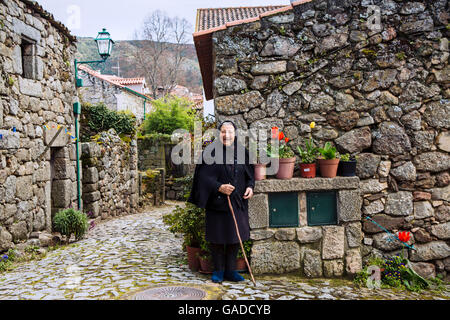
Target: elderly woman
[211,186]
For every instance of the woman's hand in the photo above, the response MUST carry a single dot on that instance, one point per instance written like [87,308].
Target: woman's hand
[248,194]
[227,189]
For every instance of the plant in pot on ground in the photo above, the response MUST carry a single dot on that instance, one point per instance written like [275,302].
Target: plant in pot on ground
[283,153]
[328,162]
[347,165]
[205,258]
[190,222]
[308,158]
[241,265]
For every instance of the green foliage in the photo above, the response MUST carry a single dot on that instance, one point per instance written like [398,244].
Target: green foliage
[10,81]
[70,221]
[189,221]
[347,158]
[309,154]
[328,152]
[396,272]
[248,249]
[401,56]
[369,53]
[98,118]
[156,137]
[170,114]
[7,260]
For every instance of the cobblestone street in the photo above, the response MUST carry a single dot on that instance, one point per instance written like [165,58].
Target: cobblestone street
[130,253]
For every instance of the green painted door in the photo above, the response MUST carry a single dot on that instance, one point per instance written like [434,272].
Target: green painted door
[283,210]
[322,208]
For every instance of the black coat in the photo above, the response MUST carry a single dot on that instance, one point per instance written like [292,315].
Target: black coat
[208,178]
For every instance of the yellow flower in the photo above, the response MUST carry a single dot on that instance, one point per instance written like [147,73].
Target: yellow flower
[312,125]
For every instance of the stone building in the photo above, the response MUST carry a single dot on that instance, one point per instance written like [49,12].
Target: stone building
[37,92]
[374,76]
[118,94]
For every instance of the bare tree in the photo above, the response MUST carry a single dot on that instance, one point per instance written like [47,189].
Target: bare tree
[161,53]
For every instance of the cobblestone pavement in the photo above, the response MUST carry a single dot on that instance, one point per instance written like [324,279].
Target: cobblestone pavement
[134,252]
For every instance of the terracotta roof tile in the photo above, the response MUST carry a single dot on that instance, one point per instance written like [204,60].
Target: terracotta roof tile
[209,18]
[114,80]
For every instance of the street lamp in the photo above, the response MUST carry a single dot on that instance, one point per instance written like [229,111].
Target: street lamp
[104,47]
[104,44]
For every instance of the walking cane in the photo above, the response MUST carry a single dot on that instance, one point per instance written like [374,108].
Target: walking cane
[240,241]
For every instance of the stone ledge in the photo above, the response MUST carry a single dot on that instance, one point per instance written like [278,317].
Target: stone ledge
[301,184]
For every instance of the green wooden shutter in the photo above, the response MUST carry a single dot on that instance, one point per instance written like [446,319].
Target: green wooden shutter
[322,208]
[283,210]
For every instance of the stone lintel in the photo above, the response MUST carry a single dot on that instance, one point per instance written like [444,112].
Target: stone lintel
[300,184]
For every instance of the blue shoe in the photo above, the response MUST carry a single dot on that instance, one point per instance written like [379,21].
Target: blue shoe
[233,276]
[217,276]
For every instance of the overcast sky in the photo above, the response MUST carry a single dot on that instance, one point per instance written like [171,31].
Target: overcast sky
[87,17]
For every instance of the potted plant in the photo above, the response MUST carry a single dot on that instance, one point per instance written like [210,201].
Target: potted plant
[206,263]
[347,165]
[241,266]
[188,221]
[285,155]
[308,158]
[328,162]
[260,168]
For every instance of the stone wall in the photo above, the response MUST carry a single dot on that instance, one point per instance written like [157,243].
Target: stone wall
[382,94]
[36,88]
[151,154]
[314,251]
[155,154]
[110,176]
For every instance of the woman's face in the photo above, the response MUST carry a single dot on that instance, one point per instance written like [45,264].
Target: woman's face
[227,134]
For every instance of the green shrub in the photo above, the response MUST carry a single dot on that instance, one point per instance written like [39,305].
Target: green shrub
[170,114]
[70,221]
[98,118]
[189,221]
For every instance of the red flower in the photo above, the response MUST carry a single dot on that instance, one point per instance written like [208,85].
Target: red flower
[281,136]
[404,236]
[286,140]
[275,132]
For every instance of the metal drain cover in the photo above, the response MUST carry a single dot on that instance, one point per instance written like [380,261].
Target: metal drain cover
[171,293]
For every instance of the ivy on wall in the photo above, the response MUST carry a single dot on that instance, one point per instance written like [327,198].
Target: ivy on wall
[98,118]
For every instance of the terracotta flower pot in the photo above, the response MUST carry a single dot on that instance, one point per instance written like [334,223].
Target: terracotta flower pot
[328,168]
[193,260]
[308,170]
[241,265]
[286,168]
[206,265]
[260,172]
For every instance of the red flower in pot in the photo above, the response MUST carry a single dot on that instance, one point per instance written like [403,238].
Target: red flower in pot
[284,154]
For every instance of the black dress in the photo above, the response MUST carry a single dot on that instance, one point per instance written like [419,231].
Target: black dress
[208,178]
